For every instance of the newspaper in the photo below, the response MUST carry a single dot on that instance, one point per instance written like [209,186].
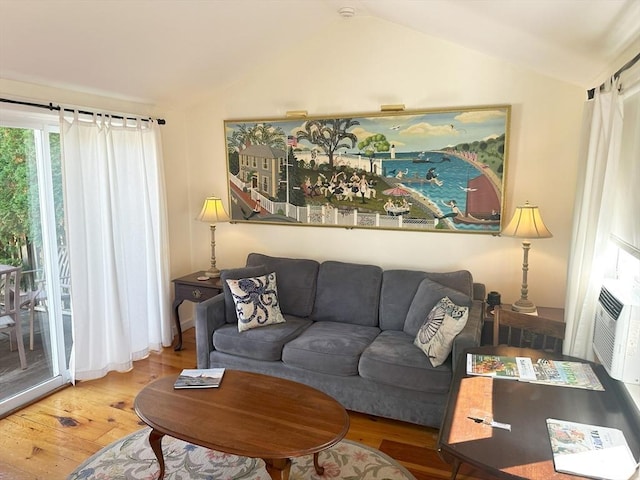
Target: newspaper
[548,372]
[590,451]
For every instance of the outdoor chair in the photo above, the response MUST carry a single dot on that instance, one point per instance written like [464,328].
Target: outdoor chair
[28,300]
[10,309]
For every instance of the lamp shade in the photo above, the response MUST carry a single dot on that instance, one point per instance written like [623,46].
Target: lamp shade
[527,223]
[213,211]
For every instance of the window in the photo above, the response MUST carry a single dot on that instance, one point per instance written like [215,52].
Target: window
[625,228]
[32,235]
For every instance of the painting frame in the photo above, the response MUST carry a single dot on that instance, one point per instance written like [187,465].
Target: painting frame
[438,170]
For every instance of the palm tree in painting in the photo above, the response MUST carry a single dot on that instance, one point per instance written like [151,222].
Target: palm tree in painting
[329,135]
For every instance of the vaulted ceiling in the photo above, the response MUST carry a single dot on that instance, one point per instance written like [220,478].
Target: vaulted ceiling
[158,50]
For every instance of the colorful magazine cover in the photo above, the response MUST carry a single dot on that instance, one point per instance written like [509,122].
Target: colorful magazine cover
[590,451]
[199,378]
[494,366]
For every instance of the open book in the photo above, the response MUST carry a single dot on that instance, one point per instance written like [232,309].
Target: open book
[199,378]
[549,372]
[590,451]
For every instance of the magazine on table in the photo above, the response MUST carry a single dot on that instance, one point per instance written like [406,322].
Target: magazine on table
[548,372]
[590,451]
[566,374]
[199,378]
[495,366]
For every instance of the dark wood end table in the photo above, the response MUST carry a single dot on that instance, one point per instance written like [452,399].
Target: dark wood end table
[249,415]
[194,290]
[525,451]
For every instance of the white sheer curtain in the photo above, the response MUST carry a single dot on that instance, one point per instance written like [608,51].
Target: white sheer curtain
[590,246]
[118,242]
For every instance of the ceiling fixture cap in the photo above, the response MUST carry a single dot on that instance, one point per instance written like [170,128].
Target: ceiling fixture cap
[347,12]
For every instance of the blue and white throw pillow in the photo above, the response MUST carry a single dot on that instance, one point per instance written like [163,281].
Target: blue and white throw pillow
[444,322]
[256,301]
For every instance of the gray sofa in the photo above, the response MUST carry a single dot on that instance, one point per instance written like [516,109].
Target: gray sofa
[349,332]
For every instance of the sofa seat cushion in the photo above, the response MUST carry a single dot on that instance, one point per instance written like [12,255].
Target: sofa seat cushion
[330,347]
[263,343]
[393,359]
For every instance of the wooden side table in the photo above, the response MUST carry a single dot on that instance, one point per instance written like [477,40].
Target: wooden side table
[194,290]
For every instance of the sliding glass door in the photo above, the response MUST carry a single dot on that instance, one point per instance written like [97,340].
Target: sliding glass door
[32,236]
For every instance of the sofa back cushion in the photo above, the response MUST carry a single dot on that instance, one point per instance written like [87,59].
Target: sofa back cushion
[348,293]
[296,281]
[428,294]
[398,289]
[460,280]
[400,286]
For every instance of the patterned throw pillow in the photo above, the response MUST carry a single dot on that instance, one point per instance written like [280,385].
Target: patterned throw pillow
[444,322]
[256,301]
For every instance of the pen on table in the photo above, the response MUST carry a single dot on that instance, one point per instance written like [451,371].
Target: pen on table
[504,426]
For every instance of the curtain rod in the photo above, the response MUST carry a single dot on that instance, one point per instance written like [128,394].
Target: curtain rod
[591,92]
[51,106]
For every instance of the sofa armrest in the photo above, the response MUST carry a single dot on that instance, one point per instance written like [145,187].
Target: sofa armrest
[471,334]
[210,315]
[479,291]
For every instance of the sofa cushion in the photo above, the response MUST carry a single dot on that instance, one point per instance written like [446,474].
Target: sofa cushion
[397,292]
[329,347]
[429,293]
[262,343]
[235,274]
[348,293]
[393,359]
[444,322]
[256,301]
[460,280]
[296,281]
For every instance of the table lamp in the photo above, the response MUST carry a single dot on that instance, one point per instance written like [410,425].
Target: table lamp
[213,212]
[526,223]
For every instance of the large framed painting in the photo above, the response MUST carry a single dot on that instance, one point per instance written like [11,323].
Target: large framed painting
[439,170]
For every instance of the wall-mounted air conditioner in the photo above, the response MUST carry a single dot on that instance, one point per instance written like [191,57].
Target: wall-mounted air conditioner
[616,337]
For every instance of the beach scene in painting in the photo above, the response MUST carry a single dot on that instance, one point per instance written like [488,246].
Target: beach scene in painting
[440,171]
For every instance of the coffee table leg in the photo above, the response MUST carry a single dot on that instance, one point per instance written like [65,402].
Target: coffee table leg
[316,465]
[278,468]
[155,440]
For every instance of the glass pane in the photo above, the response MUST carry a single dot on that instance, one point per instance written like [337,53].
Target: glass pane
[31,230]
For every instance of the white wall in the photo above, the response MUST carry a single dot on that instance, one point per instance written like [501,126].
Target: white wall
[355,67]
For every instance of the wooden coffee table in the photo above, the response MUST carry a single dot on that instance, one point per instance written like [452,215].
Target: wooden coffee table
[249,415]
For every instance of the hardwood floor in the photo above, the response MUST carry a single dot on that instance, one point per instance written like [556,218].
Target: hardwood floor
[48,439]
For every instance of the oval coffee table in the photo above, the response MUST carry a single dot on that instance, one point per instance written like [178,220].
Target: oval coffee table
[249,415]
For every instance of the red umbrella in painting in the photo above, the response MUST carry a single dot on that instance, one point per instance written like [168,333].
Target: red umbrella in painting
[397,191]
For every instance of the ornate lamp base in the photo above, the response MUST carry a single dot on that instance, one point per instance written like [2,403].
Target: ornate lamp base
[524,306]
[211,273]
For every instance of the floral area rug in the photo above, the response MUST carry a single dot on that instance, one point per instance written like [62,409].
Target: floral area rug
[132,458]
